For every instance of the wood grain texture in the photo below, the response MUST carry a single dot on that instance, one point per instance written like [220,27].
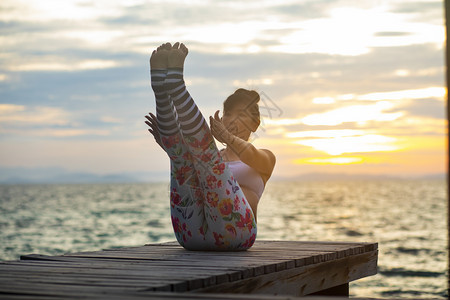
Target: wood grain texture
[269,267]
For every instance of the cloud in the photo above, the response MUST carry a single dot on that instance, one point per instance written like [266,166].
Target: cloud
[6,109]
[316,60]
[309,27]
[331,160]
[57,10]
[124,92]
[429,92]
[48,122]
[392,33]
[427,107]
[76,154]
[50,65]
[109,119]
[62,133]
[325,133]
[420,11]
[355,113]
[352,144]
[305,10]
[389,106]
[37,116]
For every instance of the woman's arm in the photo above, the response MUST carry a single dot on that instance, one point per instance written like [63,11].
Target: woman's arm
[262,160]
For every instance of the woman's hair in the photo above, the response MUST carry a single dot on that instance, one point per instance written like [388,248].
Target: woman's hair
[247,97]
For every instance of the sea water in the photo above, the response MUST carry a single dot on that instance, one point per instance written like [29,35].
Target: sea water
[408,218]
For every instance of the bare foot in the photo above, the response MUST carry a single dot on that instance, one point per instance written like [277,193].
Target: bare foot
[159,60]
[177,55]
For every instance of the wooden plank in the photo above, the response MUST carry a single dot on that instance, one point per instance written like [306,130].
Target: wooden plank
[195,276]
[181,254]
[149,279]
[171,249]
[213,264]
[168,267]
[268,261]
[60,295]
[305,280]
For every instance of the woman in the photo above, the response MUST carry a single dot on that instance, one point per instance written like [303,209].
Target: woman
[214,194]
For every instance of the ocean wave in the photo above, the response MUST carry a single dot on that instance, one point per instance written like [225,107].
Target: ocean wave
[412,251]
[409,273]
[413,293]
[407,219]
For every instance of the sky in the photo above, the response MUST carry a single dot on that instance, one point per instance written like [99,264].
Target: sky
[354,87]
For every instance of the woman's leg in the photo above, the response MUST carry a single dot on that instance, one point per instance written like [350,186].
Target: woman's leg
[185,199]
[229,222]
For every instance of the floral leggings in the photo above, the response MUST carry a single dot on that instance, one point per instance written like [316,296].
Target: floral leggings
[209,211]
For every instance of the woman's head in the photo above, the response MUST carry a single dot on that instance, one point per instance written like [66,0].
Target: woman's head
[241,113]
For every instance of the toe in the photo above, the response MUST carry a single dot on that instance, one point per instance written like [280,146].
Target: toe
[167,46]
[184,48]
[176,45]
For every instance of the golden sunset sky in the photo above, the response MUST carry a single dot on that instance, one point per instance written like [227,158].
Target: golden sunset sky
[354,87]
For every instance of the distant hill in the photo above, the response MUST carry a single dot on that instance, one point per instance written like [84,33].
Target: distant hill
[59,176]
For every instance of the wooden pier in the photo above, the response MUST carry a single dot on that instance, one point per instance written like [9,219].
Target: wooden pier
[269,270]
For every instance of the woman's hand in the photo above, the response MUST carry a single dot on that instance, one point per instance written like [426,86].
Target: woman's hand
[218,129]
[153,124]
